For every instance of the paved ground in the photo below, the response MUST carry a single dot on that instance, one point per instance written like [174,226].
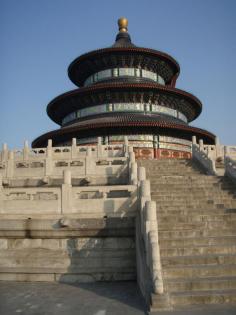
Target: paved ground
[120,298]
[84,299]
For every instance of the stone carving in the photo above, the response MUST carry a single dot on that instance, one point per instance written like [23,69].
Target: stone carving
[85,181]
[102,162]
[18,196]
[36,164]
[117,162]
[45,196]
[90,195]
[61,164]
[76,163]
[22,165]
[36,196]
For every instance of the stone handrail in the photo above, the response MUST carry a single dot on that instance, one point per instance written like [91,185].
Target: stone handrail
[212,151]
[217,151]
[230,168]
[64,199]
[148,225]
[149,229]
[133,167]
[201,156]
[49,166]
[73,151]
[230,151]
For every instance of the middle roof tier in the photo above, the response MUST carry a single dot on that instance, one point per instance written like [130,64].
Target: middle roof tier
[112,93]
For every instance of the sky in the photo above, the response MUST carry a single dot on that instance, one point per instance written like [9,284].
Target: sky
[40,38]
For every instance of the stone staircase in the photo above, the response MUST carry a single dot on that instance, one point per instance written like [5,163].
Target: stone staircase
[67,215]
[99,249]
[197,232]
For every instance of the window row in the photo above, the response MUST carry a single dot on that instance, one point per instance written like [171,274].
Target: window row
[124,107]
[141,140]
[159,140]
[123,72]
[174,140]
[173,146]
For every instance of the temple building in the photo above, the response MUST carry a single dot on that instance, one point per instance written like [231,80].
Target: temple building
[125,190]
[126,90]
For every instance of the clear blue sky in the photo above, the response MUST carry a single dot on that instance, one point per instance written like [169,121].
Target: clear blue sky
[40,38]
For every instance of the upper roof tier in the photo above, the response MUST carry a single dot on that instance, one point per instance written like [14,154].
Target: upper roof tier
[124,54]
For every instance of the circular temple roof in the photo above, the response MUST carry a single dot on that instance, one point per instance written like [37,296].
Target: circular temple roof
[85,65]
[97,94]
[123,53]
[124,124]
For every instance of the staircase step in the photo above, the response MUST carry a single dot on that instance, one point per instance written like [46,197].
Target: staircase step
[71,269]
[200,192]
[194,200]
[197,225]
[191,195]
[199,250]
[204,297]
[197,241]
[184,181]
[172,211]
[198,260]
[199,271]
[200,232]
[195,284]
[192,218]
[196,207]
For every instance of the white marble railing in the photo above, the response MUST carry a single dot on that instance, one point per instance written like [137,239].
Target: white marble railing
[148,223]
[214,158]
[68,152]
[217,151]
[97,160]
[46,168]
[133,175]
[230,151]
[113,200]
[202,157]
[90,171]
[230,168]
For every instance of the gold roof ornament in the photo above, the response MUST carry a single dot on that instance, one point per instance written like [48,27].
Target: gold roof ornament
[123,24]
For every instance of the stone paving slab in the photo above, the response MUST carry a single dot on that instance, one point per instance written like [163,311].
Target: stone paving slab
[120,298]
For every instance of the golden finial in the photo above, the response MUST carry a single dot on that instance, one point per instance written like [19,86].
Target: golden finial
[123,24]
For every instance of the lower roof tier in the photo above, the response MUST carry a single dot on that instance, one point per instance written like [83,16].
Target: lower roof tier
[126,125]
[151,93]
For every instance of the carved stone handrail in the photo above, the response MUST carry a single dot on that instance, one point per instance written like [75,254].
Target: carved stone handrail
[148,224]
[149,228]
[73,151]
[201,156]
[216,152]
[230,168]
[133,167]
[51,164]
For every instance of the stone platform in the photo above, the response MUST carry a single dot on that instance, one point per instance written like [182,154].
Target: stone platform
[78,216]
